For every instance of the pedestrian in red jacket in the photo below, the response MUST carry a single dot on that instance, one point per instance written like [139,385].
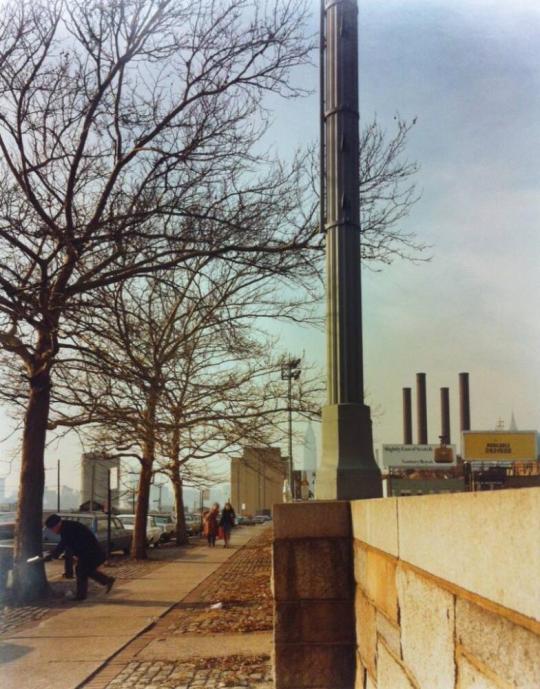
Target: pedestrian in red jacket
[211,524]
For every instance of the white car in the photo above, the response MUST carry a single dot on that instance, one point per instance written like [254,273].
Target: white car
[167,525]
[153,530]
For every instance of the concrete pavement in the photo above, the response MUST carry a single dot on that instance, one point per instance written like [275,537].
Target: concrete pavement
[68,647]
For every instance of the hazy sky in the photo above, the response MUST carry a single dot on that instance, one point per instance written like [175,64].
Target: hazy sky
[470,71]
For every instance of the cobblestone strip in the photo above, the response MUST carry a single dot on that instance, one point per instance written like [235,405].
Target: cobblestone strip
[211,673]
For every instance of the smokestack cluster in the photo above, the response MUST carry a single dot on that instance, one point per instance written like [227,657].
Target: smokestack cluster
[407,416]
[421,409]
[464,402]
[445,416]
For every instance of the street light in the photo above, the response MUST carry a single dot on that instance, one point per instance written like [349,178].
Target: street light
[290,370]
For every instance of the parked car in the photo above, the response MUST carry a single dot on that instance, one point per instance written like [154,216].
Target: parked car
[96,522]
[153,530]
[261,519]
[167,524]
[193,524]
[7,525]
[244,521]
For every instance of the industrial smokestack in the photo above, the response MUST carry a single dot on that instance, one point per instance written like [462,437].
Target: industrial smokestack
[445,415]
[464,402]
[421,408]
[407,417]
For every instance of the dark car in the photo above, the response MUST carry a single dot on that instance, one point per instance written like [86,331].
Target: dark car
[97,523]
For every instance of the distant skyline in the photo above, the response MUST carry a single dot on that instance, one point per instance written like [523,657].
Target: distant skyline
[469,71]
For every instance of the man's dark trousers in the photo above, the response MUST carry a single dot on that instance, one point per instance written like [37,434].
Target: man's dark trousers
[84,571]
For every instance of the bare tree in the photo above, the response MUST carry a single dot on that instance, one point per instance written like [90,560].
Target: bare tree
[387,194]
[126,147]
[123,127]
[174,357]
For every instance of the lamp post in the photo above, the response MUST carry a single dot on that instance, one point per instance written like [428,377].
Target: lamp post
[348,469]
[290,370]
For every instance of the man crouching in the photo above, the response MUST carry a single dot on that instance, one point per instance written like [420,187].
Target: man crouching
[80,540]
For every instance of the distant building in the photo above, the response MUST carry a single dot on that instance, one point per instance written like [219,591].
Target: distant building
[310,450]
[94,479]
[257,479]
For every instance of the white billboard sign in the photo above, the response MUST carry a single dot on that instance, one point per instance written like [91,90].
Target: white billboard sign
[415,456]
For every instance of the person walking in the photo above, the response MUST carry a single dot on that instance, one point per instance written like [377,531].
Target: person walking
[228,517]
[83,544]
[211,525]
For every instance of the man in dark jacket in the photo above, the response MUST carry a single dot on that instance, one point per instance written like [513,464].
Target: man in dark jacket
[84,545]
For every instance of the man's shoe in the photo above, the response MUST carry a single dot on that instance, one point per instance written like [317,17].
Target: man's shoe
[110,584]
[71,595]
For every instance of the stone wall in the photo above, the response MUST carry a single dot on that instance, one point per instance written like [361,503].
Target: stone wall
[431,592]
[447,591]
[313,583]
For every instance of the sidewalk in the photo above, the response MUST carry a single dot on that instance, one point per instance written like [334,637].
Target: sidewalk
[65,650]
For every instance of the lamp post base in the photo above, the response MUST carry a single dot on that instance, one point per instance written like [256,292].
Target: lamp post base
[348,469]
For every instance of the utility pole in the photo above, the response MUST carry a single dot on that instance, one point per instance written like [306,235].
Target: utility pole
[290,370]
[58,485]
[348,468]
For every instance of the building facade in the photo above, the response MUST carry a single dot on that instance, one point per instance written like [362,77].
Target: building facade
[257,480]
[94,479]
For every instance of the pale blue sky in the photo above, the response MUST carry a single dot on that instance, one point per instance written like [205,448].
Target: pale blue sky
[470,71]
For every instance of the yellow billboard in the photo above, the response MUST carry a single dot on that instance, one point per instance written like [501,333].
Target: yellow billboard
[499,446]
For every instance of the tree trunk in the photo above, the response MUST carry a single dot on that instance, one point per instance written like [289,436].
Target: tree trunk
[30,581]
[138,544]
[181,532]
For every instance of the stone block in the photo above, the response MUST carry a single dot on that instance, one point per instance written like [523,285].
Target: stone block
[366,631]
[512,652]
[313,569]
[427,630]
[309,666]
[370,684]
[361,674]
[375,573]
[375,522]
[314,621]
[391,674]
[471,677]
[360,563]
[390,633]
[330,519]
[477,541]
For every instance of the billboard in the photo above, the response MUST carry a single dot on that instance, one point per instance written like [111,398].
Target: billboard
[499,446]
[417,456]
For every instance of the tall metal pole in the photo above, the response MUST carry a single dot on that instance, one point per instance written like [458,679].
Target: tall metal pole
[58,485]
[93,487]
[109,506]
[290,370]
[291,483]
[348,468]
